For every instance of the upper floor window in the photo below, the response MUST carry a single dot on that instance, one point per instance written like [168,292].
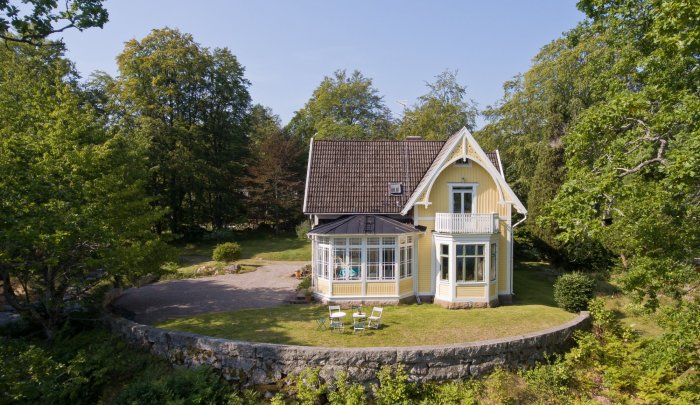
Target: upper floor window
[462,199]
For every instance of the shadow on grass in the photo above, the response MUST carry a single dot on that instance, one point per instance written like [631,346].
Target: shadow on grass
[533,284]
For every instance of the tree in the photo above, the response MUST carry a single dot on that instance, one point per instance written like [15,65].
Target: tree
[441,112]
[343,107]
[276,180]
[73,207]
[47,17]
[191,104]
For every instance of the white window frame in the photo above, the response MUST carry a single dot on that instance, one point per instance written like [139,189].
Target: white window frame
[453,186]
[476,257]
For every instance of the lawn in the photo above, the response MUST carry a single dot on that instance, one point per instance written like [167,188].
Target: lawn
[403,325]
[255,248]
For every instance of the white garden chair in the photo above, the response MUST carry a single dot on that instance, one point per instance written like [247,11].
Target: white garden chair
[336,316]
[375,318]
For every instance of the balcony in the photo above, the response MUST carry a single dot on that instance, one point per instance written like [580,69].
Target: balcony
[466,223]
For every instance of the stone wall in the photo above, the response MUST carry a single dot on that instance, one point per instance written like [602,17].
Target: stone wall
[251,363]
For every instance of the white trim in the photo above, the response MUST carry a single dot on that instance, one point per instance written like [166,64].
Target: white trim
[465,136]
[500,165]
[353,213]
[451,187]
[363,235]
[308,172]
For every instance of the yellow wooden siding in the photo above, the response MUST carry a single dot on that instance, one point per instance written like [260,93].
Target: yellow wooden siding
[503,257]
[323,286]
[487,196]
[349,289]
[493,292]
[470,291]
[383,289]
[406,286]
[443,290]
[425,255]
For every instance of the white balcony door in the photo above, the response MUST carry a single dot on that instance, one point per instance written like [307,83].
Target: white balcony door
[462,199]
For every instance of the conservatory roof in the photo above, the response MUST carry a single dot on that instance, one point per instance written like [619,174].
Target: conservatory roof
[364,225]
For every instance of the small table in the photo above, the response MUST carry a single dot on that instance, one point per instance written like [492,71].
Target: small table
[340,314]
[359,315]
[336,320]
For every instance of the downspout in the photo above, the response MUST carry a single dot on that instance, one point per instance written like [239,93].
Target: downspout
[521,221]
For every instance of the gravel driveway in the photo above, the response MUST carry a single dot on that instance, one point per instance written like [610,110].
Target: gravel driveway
[268,286]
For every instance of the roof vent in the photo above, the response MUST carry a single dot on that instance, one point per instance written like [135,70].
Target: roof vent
[414,138]
[395,188]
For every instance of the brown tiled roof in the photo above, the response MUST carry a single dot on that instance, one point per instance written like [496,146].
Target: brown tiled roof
[352,177]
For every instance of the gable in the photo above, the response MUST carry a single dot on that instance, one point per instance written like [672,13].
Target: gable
[462,145]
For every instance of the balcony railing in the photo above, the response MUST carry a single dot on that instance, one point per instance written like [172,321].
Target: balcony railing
[466,223]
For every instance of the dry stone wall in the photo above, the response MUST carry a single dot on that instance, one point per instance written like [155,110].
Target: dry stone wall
[250,363]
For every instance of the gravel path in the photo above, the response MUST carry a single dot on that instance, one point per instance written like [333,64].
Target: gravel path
[268,286]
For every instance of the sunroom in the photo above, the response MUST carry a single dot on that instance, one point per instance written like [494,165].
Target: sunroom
[364,258]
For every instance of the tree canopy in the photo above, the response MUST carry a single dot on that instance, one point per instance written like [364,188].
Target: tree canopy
[191,103]
[35,20]
[344,106]
[74,209]
[441,112]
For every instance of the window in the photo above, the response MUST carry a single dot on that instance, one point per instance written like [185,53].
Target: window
[470,263]
[347,263]
[381,259]
[321,264]
[492,264]
[444,260]
[395,188]
[406,260]
[462,201]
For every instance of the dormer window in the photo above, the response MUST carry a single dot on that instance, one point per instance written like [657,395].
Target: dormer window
[395,189]
[462,162]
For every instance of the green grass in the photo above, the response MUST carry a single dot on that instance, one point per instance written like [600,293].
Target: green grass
[255,247]
[404,325]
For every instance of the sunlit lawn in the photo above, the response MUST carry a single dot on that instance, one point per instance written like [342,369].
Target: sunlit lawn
[403,325]
[254,249]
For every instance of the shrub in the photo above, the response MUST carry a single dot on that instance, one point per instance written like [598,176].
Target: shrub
[573,291]
[346,393]
[304,284]
[302,229]
[308,387]
[394,387]
[227,252]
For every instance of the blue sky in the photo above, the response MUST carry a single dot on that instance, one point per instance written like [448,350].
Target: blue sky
[287,47]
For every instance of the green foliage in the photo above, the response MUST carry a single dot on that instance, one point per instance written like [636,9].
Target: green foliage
[190,103]
[74,205]
[394,387]
[227,252]
[344,106]
[199,386]
[45,17]
[573,291]
[302,230]
[343,392]
[441,112]
[452,392]
[304,284]
[308,387]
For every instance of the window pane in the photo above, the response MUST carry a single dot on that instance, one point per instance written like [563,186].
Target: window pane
[456,202]
[492,266]
[372,241]
[479,269]
[373,263]
[470,249]
[470,263]
[355,263]
[340,241]
[355,241]
[388,241]
[480,250]
[467,203]
[460,250]
[388,262]
[445,249]
[460,269]
[444,268]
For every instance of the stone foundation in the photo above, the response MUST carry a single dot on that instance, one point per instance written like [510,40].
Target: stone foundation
[466,304]
[249,363]
[505,299]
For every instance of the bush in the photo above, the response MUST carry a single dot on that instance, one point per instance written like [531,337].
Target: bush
[303,229]
[227,252]
[573,291]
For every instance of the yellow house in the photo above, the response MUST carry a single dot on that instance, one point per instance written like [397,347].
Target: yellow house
[410,220]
